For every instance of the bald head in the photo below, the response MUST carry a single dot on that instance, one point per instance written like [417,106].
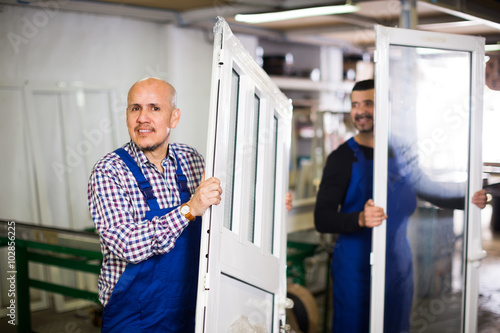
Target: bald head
[151,115]
[155,84]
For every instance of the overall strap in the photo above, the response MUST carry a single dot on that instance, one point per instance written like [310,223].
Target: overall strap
[184,193]
[355,148]
[144,184]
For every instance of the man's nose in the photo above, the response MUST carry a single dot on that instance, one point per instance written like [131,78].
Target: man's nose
[143,116]
[365,107]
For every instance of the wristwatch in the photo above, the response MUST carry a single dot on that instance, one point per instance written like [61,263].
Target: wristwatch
[186,211]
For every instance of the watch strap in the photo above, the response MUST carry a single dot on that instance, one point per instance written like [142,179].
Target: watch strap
[188,215]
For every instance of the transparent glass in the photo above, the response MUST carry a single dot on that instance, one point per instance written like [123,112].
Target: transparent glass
[427,178]
[248,308]
[253,168]
[270,204]
[231,158]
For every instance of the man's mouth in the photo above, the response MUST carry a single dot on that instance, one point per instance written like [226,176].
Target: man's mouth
[145,130]
[363,117]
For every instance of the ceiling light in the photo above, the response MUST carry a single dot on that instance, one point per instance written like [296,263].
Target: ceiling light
[492,47]
[296,13]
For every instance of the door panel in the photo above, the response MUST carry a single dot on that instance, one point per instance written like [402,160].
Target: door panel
[428,93]
[243,252]
[250,306]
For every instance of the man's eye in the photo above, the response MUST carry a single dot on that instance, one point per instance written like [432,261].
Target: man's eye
[135,108]
[154,108]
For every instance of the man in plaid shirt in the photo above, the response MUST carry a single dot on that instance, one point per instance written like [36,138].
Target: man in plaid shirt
[146,200]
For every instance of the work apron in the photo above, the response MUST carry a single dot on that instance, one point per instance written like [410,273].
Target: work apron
[159,293]
[351,257]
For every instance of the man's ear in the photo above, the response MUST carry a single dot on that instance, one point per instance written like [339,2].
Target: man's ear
[175,117]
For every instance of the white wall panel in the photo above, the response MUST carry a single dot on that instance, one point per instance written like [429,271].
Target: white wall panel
[95,58]
[189,60]
[67,107]
[17,198]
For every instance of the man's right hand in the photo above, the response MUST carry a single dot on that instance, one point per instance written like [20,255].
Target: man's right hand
[208,193]
[371,216]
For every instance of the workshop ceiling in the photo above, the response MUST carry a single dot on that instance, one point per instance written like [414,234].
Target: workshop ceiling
[353,32]
[177,5]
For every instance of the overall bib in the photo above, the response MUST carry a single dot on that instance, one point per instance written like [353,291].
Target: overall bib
[159,293]
[351,269]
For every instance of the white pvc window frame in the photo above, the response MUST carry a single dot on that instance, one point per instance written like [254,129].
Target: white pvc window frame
[228,252]
[472,233]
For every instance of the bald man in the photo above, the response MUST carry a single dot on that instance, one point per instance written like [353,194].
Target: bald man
[146,199]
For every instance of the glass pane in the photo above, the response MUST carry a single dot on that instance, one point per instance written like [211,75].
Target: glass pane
[244,308]
[270,191]
[427,177]
[231,153]
[253,168]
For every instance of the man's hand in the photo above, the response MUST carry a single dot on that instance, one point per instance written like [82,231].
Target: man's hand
[288,201]
[371,216]
[208,193]
[480,199]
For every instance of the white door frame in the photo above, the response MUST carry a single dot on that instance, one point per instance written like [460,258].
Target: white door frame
[231,252]
[473,249]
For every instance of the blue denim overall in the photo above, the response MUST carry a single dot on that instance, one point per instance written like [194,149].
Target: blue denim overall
[159,293]
[351,257]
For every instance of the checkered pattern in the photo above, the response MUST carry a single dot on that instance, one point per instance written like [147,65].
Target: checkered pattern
[118,209]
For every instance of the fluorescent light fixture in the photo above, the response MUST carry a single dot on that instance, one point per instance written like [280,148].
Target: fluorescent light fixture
[492,47]
[296,13]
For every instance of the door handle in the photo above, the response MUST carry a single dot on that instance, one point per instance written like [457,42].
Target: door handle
[476,258]
[286,328]
[285,303]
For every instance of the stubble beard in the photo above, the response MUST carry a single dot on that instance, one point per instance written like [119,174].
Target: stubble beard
[365,130]
[361,129]
[155,146]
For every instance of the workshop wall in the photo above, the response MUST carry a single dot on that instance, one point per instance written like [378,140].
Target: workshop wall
[64,77]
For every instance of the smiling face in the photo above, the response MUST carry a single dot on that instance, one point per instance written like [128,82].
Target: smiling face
[151,114]
[362,105]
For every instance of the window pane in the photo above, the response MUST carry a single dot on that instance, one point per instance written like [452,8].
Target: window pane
[253,168]
[244,303]
[427,177]
[230,167]
[270,189]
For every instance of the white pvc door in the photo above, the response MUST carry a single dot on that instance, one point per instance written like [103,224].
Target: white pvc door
[428,117]
[242,279]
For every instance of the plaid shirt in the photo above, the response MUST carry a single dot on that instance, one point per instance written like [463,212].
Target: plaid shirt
[118,209]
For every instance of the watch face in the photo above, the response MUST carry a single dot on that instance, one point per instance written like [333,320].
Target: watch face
[185,209]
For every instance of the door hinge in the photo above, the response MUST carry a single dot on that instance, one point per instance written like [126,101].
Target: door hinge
[206,282]
[220,61]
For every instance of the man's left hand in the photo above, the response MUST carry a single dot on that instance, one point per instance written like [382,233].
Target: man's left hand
[479,199]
